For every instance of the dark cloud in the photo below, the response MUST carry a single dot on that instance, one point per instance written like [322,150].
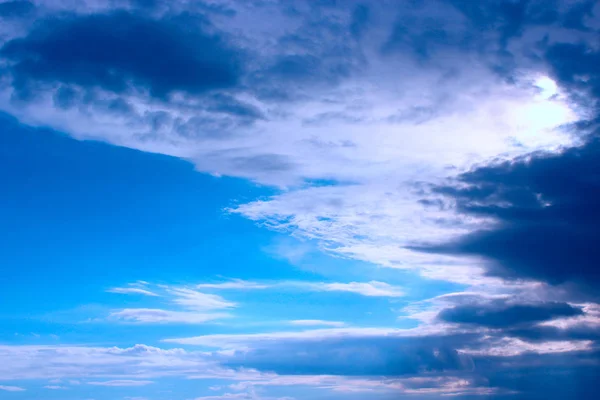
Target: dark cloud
[545,204]
[547,210]
[359,21]
[226,104]
[501,315]
[119,50]
[16,9]
[523,375]
[359,356]
[423,39]
[576,14]
[571,375]
[327,117]
[65,97]
[316,55]
[575,66]
[505,17]
[578,331]
[263,162]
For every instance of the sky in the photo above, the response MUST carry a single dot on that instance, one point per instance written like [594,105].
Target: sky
[294,199]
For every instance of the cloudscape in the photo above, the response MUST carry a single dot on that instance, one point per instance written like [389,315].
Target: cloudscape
[299,199]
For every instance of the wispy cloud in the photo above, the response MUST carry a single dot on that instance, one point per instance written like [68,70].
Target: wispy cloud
[132,290]
[233,284]
[431,385]
[55,387]
[136,363]
[158,316]
[121,383]
[316,322]
[195,300]
[317,105]
[249,393]
[11,388]
[194,307]
[232,340]
[370,289]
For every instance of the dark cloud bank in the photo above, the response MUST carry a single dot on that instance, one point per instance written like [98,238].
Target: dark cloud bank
[546,204]
[546,210]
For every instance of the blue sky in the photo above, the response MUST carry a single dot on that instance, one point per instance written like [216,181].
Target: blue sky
[279,200]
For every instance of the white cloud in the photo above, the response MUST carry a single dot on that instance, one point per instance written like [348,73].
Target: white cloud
[121,383]
[55,387]
[316,322]
[11,388]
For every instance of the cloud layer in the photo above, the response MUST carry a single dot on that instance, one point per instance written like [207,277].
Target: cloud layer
[452,142]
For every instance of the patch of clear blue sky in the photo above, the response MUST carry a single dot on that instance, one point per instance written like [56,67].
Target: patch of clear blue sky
[79,217]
